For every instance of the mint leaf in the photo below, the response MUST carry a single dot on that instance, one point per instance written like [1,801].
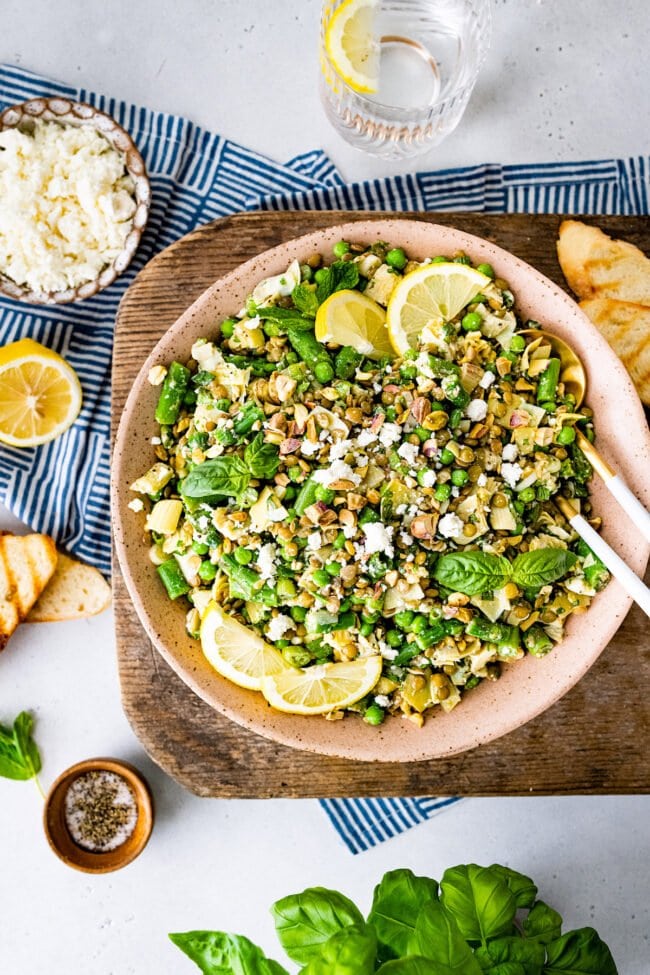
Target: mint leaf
[396,903]
[19,755]
[472,572]
[218,953]
[303,922]
[339,276]
[305,300]
[479,901]
[541,567]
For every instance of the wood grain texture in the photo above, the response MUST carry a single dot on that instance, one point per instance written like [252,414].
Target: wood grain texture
[593,741]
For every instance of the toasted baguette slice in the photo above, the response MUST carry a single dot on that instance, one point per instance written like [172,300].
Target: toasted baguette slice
[74,592]
[597,266]
[27,563]
[626,327]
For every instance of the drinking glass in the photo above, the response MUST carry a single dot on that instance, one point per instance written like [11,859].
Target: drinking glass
[429,54]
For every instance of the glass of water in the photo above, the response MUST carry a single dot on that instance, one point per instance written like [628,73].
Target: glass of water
[396,75]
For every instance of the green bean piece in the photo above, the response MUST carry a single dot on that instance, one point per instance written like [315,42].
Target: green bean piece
[307,495]
[547,383]
[581,466]
[245,583]
[312,352]
[173,579]
[595,573]
[347,362]
[454,392]
[297,656]
[298,613]
[430,636]
[245,421]
[537,641]
[492,632]
[404,618]
[345,621]
[406,655]
[173,390]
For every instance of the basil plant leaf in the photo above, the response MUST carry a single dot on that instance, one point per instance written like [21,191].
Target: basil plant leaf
[521,886]
[479,901]
[579,952]
[541,567]
[223,477]
[472,572]
[305,300]
[395,906]
[19,756]
[218,953]
[351,951]
[303,922]
[542,924]
[413,965]
[438,937]
[262,459]
[506,968]
[528,954]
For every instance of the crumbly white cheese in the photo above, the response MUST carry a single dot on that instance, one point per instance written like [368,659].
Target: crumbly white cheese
[308,447]
[266,561]
[476,410]
[339,449]
[382,700]
[487,379]
[409,451]
[428,478]
[338,471]
[450,525]
[66,205]
[510,452]
[379,538]
[481,480]
[366,437]
[389,434]
[511,474]
[278,626]
[314,541]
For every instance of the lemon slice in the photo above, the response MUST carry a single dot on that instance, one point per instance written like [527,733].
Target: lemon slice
[40,394]
[350,318]
[430,295]
[323,687]
[352,45]
[237,652]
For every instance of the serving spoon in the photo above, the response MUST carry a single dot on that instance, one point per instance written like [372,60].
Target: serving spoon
[574,377]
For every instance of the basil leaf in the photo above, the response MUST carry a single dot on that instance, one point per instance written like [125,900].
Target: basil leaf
[543,924]
[438,937]
[479,901]
[413,965]
[305,300]
[579,952]
[218,953]
[19,756]
[262,459]
[223,477]
[304,921]
[395,906]
[339,276]
[521,886]
[506,968]
[351,951]
[472,572]
[542,566]
[528,954]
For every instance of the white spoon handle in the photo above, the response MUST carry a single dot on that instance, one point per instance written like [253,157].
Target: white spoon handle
[630,504]
[633,586]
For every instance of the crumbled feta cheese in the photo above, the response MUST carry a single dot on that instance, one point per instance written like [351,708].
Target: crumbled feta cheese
[406,538]
[487,379]
[401,509]
[252,323]
[481,480]
[278,626]
[511,474]
[155,441]
[136,505]
[510,451]
[377,386]
[455,491]
[266,561]
[409,451]
[388,370]
[428,478]
[309,448]
[450,525]
[314,541]
[338,471]
[379,538]
[476,410]
[388,653]
[339,449]
[277,514]
[389,434]
[382,700]
[366,437]
[423,365]
[349,531]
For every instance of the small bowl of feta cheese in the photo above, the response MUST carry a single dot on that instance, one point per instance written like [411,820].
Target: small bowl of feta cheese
[74,201]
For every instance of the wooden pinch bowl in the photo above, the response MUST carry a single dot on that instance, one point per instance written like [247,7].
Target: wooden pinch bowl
[58,835]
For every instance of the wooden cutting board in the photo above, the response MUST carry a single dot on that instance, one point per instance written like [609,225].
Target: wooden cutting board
[593,741]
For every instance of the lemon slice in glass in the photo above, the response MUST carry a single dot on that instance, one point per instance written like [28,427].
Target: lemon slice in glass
[352,45]
[40,394]
[428,296]
[350,318]
[323,687]
[236,651]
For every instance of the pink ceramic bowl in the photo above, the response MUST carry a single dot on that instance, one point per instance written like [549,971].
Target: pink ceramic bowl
[527,687]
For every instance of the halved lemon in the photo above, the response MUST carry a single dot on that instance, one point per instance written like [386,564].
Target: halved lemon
[323,687]
[352,44]
[429,296]
[350,318]
[237,652]
[40,394]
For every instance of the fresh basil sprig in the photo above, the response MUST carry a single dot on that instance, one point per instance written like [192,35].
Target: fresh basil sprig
[542,566]
[473,573]
[262,459]
[218,953]
[395,906]
[303,922]
[19,755]
[223,477]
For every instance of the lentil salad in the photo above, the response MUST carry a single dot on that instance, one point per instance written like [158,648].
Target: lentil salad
[346,503]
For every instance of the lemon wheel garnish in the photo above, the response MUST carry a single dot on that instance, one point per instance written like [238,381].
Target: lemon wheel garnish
[350,318]
[429,296]
[352,45]
[40,394]
[237,652]
[323,687]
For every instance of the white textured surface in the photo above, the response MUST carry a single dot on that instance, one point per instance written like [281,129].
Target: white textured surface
[563,81]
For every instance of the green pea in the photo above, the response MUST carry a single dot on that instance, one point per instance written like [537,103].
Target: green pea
[189,399]
[527,495]
[321,577]
[549,405]
[404,618]
[442,492]
[394,639]
[478,299]
[223,404]
[419,624]
[408,372]
[333,568]
[374,715]
[323,371]
[339,541]
[324,494]
[391,414]
[306,273]
[423,477]
[446,456]
[200,548]
[366,629]
[340,248]
[459,477]
[321,275]
[251,308]
[243,556]
[291,357]
[271,329]
[440,259]
[294,473]
[228,328]
[298,613]
[517,343]
[207,571]
[396,258]
[289,493]
[566,435]
[487,270]
[471,322]
[422,434]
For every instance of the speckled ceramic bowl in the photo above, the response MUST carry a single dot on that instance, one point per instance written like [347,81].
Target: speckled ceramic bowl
[66,112]
[527,687]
